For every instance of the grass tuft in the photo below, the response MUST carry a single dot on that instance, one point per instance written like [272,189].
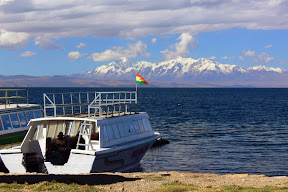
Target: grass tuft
[154,178]
[48,186]
[176,186]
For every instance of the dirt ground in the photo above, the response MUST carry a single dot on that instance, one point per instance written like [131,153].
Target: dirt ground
[150,181]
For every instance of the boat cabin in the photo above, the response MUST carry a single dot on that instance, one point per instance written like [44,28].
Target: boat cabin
[91,126]
[87,134]
[83,133]
[15,113]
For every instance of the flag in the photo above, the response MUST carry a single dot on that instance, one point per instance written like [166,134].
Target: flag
[140,79]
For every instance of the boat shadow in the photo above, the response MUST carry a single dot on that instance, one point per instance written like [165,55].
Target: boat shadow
[89,179]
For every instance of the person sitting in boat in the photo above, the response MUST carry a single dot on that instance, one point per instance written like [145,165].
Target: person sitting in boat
[95,136]
[62,148]
[50,151]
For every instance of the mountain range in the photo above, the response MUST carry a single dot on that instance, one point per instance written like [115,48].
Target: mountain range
[188,72]
[179,72]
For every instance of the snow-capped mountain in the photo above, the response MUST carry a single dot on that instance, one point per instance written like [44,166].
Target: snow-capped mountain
[182,69]
[264,68]
[179,72]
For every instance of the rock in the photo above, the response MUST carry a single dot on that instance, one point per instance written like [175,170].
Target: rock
[159,142]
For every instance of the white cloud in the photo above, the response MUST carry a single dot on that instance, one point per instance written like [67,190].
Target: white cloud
[132,51]
[211,58]
[241,58]
[3,2]
[75,55]
[27,54]
[249,53]
[12,40]
[182,48]
[265,57]
[267,46]
[81,45]
[226,57]
[133,19]
[46,43]
[154,40]
[262,57]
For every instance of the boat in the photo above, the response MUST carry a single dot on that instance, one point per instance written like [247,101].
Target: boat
[15,113]
[104,132]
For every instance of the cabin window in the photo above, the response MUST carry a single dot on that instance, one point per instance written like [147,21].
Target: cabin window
[14,120]
[23,120]
[116,131]
[1,127]
[126,129]
[6,122]
[110,132]
[145,123]
[131,126]
[140,123]
[149,125]
[30,115]
[137,129]
[121,130]
[105,133]
[37,114]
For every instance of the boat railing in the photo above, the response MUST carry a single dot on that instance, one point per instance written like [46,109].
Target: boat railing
[14,96]
[91,103]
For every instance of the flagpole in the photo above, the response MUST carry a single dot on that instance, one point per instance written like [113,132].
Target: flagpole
[139,80]
[136,83]
[136,86]
[136,96]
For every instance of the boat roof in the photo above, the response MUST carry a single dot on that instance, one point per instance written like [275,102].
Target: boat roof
[13,98]
[15,106]
[16,100]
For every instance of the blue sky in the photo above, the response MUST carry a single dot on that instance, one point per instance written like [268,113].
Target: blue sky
[49,37]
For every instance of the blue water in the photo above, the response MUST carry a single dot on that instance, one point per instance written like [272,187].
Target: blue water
[212,130]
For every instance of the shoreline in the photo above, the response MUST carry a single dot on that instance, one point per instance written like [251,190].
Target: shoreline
[149,181]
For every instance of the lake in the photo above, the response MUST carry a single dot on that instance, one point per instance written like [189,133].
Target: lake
[213,130]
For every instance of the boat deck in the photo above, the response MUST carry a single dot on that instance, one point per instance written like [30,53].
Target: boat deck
[103,115]
[14,98]
[13,106]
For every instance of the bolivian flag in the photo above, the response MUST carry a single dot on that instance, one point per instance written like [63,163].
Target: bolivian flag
[140,80]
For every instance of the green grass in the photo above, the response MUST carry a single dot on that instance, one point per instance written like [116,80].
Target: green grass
[8,187]
[177,186]
[149,178]
[48,186]
[174,186]
[235,188]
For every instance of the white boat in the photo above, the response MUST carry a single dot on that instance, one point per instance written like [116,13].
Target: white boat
[108,133]
[15,113]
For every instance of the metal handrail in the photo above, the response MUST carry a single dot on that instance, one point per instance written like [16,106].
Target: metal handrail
[101,101]
[106,99]
[8,98]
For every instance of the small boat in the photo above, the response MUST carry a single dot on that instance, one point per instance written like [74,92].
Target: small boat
[84,132]
[15,113]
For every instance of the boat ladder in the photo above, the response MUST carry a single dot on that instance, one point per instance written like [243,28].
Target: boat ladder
[85,131]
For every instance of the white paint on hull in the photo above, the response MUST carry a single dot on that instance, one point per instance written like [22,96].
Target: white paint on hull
[13,160]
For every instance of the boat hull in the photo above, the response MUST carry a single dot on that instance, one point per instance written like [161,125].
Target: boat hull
[117,159]
[12,139]
[123,160]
